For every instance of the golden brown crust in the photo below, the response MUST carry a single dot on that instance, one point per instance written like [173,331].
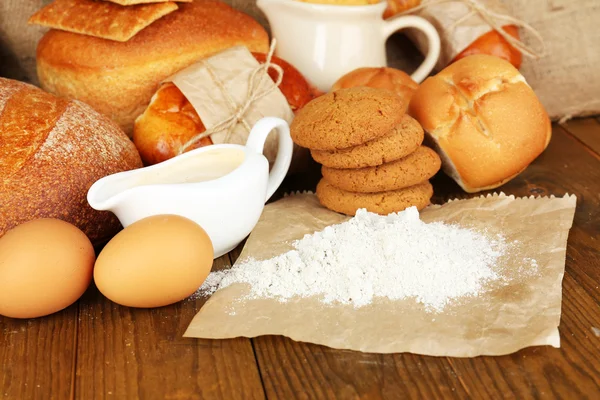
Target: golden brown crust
[342,2]
[100,18]
[381,203]
[51,151]
[398,6]
[119,79]
[347,118]
[132,2]
[170,120]
[392,79]
[168,123]
[486,122]
[494,44]
[405,138]
[408,171]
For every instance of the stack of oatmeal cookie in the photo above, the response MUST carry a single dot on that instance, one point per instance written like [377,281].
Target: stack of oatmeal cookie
[370,149]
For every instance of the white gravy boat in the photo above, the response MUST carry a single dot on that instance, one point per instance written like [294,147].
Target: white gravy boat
[221,187]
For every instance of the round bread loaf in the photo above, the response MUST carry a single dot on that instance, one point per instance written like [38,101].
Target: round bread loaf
[51,151]
[119,78]
[485,122]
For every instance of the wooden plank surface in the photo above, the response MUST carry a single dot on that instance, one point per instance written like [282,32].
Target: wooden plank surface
[294,370]
[587,130]
[126,353]
[37,356]
[96,349]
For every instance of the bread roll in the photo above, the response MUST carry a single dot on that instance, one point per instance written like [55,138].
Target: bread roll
[119,79]
[170,120]
[485,121]
[392,79]
[51,151]
[399,6]
[493,44]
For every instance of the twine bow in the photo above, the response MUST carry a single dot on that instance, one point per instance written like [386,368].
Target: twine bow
[494,20]
[238,111]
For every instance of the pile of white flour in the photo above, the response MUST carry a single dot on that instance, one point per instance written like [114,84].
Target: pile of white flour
[396,256]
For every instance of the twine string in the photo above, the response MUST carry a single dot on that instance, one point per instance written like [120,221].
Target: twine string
[493,19]
[238,112]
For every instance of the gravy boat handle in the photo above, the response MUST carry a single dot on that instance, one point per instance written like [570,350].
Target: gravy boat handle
[256,142]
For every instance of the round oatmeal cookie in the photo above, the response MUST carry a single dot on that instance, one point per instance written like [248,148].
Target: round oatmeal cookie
[408,171]
[383,203]
[405,138]
[347,118]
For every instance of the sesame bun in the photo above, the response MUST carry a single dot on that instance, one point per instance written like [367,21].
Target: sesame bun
[118,79]
[484,120]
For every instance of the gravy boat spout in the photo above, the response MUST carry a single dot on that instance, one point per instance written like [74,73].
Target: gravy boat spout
[221,187]
[106,193]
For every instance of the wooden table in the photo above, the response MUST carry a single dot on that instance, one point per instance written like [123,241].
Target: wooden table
[96,349]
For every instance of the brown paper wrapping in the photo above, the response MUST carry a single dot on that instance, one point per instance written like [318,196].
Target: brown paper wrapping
[525,312]
[217,90]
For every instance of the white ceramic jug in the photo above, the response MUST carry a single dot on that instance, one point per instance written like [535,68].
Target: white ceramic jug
[222,187]
[325,42]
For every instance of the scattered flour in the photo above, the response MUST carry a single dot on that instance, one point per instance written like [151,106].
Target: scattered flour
[396,256]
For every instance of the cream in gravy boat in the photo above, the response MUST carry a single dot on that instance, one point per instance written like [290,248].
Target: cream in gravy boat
[221,187]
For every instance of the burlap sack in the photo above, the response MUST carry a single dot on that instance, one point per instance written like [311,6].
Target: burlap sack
[18,40]
[567,78]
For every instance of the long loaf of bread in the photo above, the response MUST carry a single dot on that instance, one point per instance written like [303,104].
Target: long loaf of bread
[51,151]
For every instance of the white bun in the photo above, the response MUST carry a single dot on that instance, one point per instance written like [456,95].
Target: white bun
[486,123]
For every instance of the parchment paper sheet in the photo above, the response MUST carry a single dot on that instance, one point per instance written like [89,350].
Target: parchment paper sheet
[523,312]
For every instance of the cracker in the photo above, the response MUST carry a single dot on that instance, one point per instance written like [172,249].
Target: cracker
[100,18]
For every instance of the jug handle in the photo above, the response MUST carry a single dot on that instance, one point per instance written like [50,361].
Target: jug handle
[256,142]
[394,24]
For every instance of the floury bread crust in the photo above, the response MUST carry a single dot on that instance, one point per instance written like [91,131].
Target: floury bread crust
[119,79]
[51,151]
[486,123]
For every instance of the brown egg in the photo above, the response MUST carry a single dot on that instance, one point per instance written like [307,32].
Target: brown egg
[45,266]
[154,262]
